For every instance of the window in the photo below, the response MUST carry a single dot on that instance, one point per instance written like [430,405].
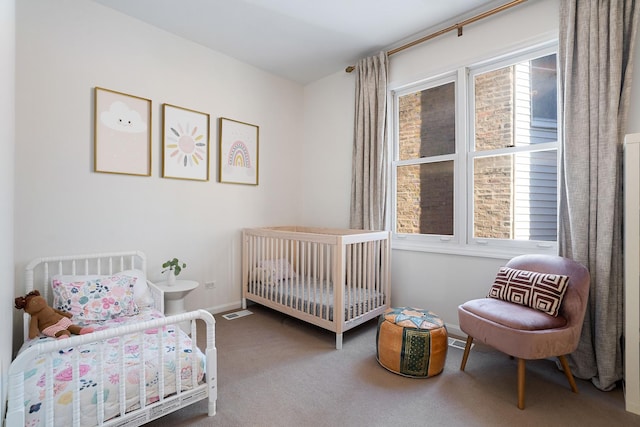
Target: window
[426,148]
[475,156]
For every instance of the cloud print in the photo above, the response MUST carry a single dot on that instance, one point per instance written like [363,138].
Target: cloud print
[121,118]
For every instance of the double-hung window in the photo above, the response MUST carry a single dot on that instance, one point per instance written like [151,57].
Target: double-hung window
[475,155]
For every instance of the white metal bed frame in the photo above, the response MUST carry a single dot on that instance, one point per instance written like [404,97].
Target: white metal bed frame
[38,275]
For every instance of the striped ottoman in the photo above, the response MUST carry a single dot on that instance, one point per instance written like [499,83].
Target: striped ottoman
[411,342]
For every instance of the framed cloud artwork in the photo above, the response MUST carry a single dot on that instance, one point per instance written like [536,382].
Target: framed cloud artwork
[238,152]
[122,133]
[185,143]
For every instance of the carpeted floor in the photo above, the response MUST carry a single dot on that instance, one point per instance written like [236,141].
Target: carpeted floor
[274,370]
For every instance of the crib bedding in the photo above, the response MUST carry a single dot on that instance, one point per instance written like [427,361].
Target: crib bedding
[101,374]
[316,296]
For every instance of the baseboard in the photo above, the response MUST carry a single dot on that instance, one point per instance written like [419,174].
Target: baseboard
[455,331]
[224,307]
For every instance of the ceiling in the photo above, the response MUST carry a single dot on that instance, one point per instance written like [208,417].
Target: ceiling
[300,40]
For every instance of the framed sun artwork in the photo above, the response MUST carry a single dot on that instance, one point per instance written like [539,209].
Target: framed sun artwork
[185,143]
[122,133]
[238,152]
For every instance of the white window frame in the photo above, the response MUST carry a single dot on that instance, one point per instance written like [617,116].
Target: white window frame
[462,241]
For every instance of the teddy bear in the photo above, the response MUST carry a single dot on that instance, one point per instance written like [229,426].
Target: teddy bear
[48,320]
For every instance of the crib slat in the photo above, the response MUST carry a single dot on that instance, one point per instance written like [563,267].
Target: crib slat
[277,284]
[307,285]
[314,267]
[322,279]
[299,276]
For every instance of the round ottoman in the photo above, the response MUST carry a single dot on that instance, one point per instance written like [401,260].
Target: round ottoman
[411,342]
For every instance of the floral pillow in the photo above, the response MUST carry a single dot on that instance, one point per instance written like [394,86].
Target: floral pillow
[96,298]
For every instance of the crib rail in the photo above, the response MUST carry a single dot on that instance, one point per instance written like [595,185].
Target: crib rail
[332,278]
[148,411]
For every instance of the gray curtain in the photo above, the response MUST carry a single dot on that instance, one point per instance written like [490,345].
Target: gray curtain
[369,174]
[595,54]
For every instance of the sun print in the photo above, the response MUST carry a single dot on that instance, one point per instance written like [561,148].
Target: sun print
[185,143]
[187,146]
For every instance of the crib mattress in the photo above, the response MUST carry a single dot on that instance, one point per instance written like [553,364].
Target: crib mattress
[108,372]
[316,297]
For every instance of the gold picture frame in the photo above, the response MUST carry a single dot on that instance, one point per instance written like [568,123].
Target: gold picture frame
[185,143]
[122,133]
[239,151]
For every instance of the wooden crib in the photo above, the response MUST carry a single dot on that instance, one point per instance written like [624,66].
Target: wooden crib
[333,278]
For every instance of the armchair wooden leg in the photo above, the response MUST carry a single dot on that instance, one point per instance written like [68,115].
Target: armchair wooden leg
[568,374]
[465,355]
[521,370]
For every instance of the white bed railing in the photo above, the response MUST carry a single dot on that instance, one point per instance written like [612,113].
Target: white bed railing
[38,275]
[147,412]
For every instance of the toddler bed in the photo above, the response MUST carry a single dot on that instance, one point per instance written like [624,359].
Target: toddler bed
[136,366]
[332,278]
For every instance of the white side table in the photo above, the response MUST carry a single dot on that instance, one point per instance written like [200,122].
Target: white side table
[174,298]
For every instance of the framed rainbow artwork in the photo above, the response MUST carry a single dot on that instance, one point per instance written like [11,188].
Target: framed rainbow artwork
[238,152]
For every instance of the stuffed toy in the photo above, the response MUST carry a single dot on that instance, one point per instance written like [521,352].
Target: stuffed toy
[50,321]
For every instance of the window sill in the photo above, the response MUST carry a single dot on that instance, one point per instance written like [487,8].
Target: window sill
[471,250]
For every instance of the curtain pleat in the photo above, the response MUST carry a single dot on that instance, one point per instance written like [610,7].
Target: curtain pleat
[369,174]
[596,45]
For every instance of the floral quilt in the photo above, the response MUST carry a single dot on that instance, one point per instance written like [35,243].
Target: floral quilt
[138,347]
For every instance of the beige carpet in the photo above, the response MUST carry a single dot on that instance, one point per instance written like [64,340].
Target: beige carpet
[276,371]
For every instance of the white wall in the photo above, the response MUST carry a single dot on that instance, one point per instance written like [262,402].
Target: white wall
[65,49]
[328,147]
[7,146]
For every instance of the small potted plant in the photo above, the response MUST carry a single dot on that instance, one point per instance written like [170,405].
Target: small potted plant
[174,267]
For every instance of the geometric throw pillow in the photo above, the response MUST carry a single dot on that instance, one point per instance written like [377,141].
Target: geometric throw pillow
[96,298]
[541,291]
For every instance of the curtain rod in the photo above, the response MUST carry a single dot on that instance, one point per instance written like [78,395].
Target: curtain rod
[457,26]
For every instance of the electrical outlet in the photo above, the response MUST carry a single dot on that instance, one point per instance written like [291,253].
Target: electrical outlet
[210,285]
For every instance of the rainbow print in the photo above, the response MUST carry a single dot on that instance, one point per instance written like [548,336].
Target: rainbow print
[239,155]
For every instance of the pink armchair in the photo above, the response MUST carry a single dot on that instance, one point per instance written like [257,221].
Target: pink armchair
[526,333]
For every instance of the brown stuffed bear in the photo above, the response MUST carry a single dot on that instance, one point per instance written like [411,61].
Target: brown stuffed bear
[50,321]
